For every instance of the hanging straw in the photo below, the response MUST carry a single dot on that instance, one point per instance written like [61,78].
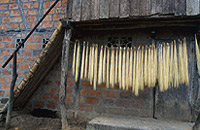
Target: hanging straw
[104,65]
[86,61]
[127,68]
[137,73]
[74,59]
[175,68]
[145,67]
[92,65]
[116,65]
[124,69]
[149,67]
[171,66]
[112,75]
[197,54]
[141,70]
[131,68]
[134,70]
[185,62]
[95,68]
[181,69]
[77,62]
[167,68]
[83,61]
[100,66]
[120,68]
[108,57]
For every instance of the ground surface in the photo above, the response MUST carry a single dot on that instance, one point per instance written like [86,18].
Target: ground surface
[22,121]
[133,123]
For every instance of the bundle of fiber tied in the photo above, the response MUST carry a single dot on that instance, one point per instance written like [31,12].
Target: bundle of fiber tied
[83,61]
[100,66]
[185,57]
[175,68]
[74,59]
[77,62]
[107,74]
[197,54]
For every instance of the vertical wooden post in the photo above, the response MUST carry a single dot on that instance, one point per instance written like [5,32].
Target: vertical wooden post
[63,85]
[14,78]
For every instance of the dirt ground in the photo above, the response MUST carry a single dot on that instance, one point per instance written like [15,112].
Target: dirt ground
[23,121]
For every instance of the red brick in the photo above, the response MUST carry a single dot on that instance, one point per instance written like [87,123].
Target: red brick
[83,92]
[1,45]
[30,46]
[51,12]
[46,24]
[31,24]
[13,6]
[5,52]
[46,97]
[17,19]
[6,73]
[27,52]
[67,91]
[14,25]
[27,5]
[31,18]
[5,86]
[56,98]
[85,84]
[110,94]
[35,5]
[4,1]
[15,12]
[57,83]
[103,85]
[12,1]
[82,100]
[61,10]
[38,104]
[70,83]
[30,59]
[95,93]
[3,79]
[3,26]
[58,4]
[32,12]
[1,58]
[64,3]
[6,20]
[7,94]
[2,93]
[85,108]
[20,59]
[4,13]
[141,96]
[51,105]
[91,100]
[56,17]
[138,104]
[69,100]
[10,45]
[7,38]
[54,90]
[37,39]
[46,4]
[126,94]
[24,66]
[48,18]
[3,7]
[56,24]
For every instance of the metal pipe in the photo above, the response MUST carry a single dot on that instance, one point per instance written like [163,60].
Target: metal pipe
[38,23]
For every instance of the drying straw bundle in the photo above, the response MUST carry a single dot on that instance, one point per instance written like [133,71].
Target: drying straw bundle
[133,67]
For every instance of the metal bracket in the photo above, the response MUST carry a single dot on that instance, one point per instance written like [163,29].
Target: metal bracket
[66,24]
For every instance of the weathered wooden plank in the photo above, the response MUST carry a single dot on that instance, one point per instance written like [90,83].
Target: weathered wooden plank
[145,7]
[134,11]
[168,6]
[156,7]
[104,9]
[63,84]
[114,8]
[180,7]
[124,8]
[192,7]
[94,9]
[69,9]
[85,13]
[76,10]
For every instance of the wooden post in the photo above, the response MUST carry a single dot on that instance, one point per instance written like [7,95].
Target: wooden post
[63,85]
[14,78]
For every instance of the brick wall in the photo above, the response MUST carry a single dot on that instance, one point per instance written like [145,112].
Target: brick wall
[17,18]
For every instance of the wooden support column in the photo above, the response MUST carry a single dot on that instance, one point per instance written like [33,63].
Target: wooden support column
[63,85]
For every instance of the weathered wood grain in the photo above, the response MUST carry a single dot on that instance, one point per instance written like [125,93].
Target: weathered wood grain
[180,7]
[76,10]
[69,9]
[114,8]
[85,13]
[192,7]
[124,8]
[156,7]
[94,8]
[63,84]
[104,9]
[168,6]
[134,11]
[145,7]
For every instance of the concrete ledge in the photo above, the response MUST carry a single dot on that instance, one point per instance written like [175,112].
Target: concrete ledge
[136,123]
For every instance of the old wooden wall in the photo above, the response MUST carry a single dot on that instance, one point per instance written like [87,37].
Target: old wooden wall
[81,10]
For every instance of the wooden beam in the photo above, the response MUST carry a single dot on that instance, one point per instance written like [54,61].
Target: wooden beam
[192,7]
[63,85]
